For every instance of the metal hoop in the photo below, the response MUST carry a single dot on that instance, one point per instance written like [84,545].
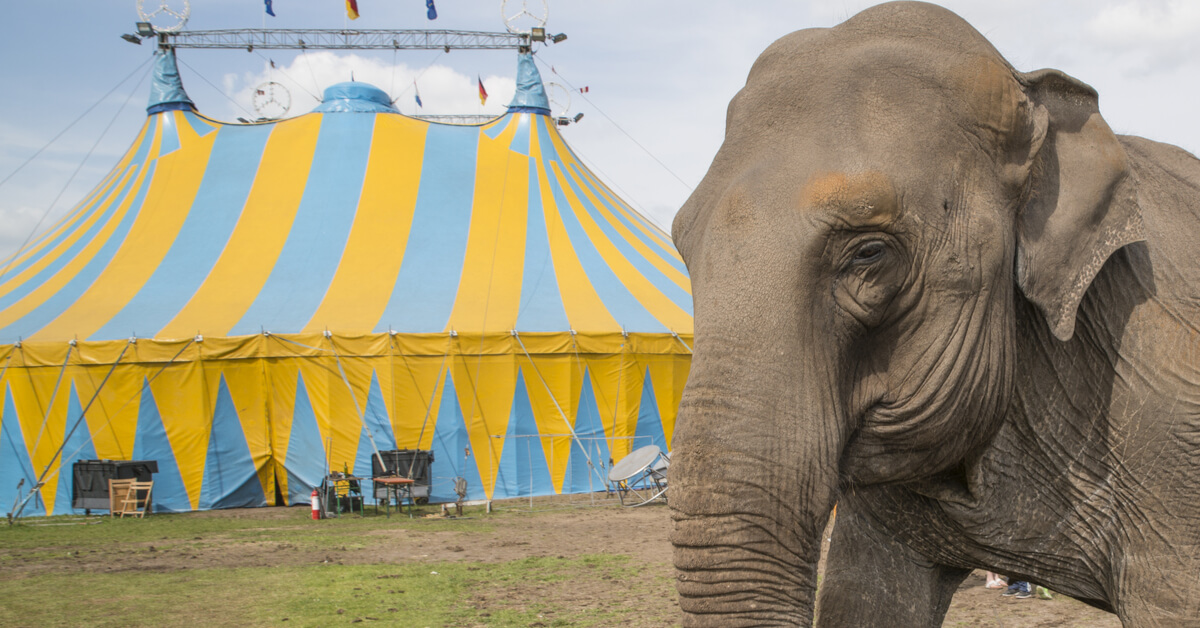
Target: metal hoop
[540,22]
[165,8]
[560,99]
[271,96]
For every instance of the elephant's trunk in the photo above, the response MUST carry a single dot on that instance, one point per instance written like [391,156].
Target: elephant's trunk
[752,481]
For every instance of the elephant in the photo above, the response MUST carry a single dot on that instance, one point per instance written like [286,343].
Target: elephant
[944,295]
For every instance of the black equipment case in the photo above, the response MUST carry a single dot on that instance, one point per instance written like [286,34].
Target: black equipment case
[89,489]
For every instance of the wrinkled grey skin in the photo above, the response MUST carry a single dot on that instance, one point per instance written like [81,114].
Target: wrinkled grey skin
[944,295]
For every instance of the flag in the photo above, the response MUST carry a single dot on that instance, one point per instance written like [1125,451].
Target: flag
[418,95]
[269,11]
[584,90]
[272,63]
[260,92]
[352,9]
[482,92]
[431,12]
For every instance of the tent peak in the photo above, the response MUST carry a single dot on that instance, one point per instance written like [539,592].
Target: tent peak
[166,90]
[531,94]
[356,97]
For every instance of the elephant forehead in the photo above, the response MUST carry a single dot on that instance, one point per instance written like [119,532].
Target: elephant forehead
[862,196]
[863,92]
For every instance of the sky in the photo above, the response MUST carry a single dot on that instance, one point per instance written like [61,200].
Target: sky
[659,75]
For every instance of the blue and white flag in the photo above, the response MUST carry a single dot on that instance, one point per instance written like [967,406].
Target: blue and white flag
[432,10]
[418,95]
[270,12]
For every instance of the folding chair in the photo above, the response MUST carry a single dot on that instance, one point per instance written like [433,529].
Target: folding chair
[129,497]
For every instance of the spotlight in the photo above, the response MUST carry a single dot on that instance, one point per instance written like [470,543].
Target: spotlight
[561,37]
[145,29]
[538,33]
[133,39]
[579,116]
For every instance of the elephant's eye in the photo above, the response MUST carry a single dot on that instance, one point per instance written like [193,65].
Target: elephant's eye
[869,252]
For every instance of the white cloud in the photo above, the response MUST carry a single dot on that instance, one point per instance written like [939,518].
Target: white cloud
[1146,37]
[1136,24]
[443,90]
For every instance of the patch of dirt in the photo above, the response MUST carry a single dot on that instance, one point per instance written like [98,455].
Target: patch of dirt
[514,533]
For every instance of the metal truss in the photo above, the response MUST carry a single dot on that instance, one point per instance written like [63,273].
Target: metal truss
[301,39]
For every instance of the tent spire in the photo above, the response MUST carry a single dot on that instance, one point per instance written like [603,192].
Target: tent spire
[531,94]
[166,91]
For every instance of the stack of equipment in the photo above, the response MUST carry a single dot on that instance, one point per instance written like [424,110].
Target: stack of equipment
[404,463]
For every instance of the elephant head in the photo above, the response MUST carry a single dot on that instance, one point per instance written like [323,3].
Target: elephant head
[890,197]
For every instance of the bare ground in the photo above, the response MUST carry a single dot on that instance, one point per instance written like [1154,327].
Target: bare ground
[555,529]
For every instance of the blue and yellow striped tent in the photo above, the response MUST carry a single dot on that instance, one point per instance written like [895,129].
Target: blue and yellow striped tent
[253,304]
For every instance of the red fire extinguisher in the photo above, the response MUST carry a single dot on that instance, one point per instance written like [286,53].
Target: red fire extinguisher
[316,504]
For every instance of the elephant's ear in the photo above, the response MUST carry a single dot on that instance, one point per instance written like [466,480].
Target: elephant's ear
[1083,203]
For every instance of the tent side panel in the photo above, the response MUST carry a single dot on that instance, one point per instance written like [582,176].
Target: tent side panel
[185,401]
[305,461]
[247,389]
[15,464]
[649,421]
[485,385]
[151,443]
[453,456]
[230,477]
[77,447]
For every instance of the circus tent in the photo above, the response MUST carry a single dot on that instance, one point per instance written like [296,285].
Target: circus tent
[253,305]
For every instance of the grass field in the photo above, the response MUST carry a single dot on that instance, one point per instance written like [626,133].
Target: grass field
[277,567]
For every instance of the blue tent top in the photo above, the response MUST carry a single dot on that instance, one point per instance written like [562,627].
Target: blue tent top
[355,97]
[531,94]
[166,90]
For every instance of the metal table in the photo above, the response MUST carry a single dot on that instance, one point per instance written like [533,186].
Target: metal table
[397,490]
[641,477]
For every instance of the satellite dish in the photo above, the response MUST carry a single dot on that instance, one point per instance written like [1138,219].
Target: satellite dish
[524,20]
[272,100]
[175,17]
[560,99]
